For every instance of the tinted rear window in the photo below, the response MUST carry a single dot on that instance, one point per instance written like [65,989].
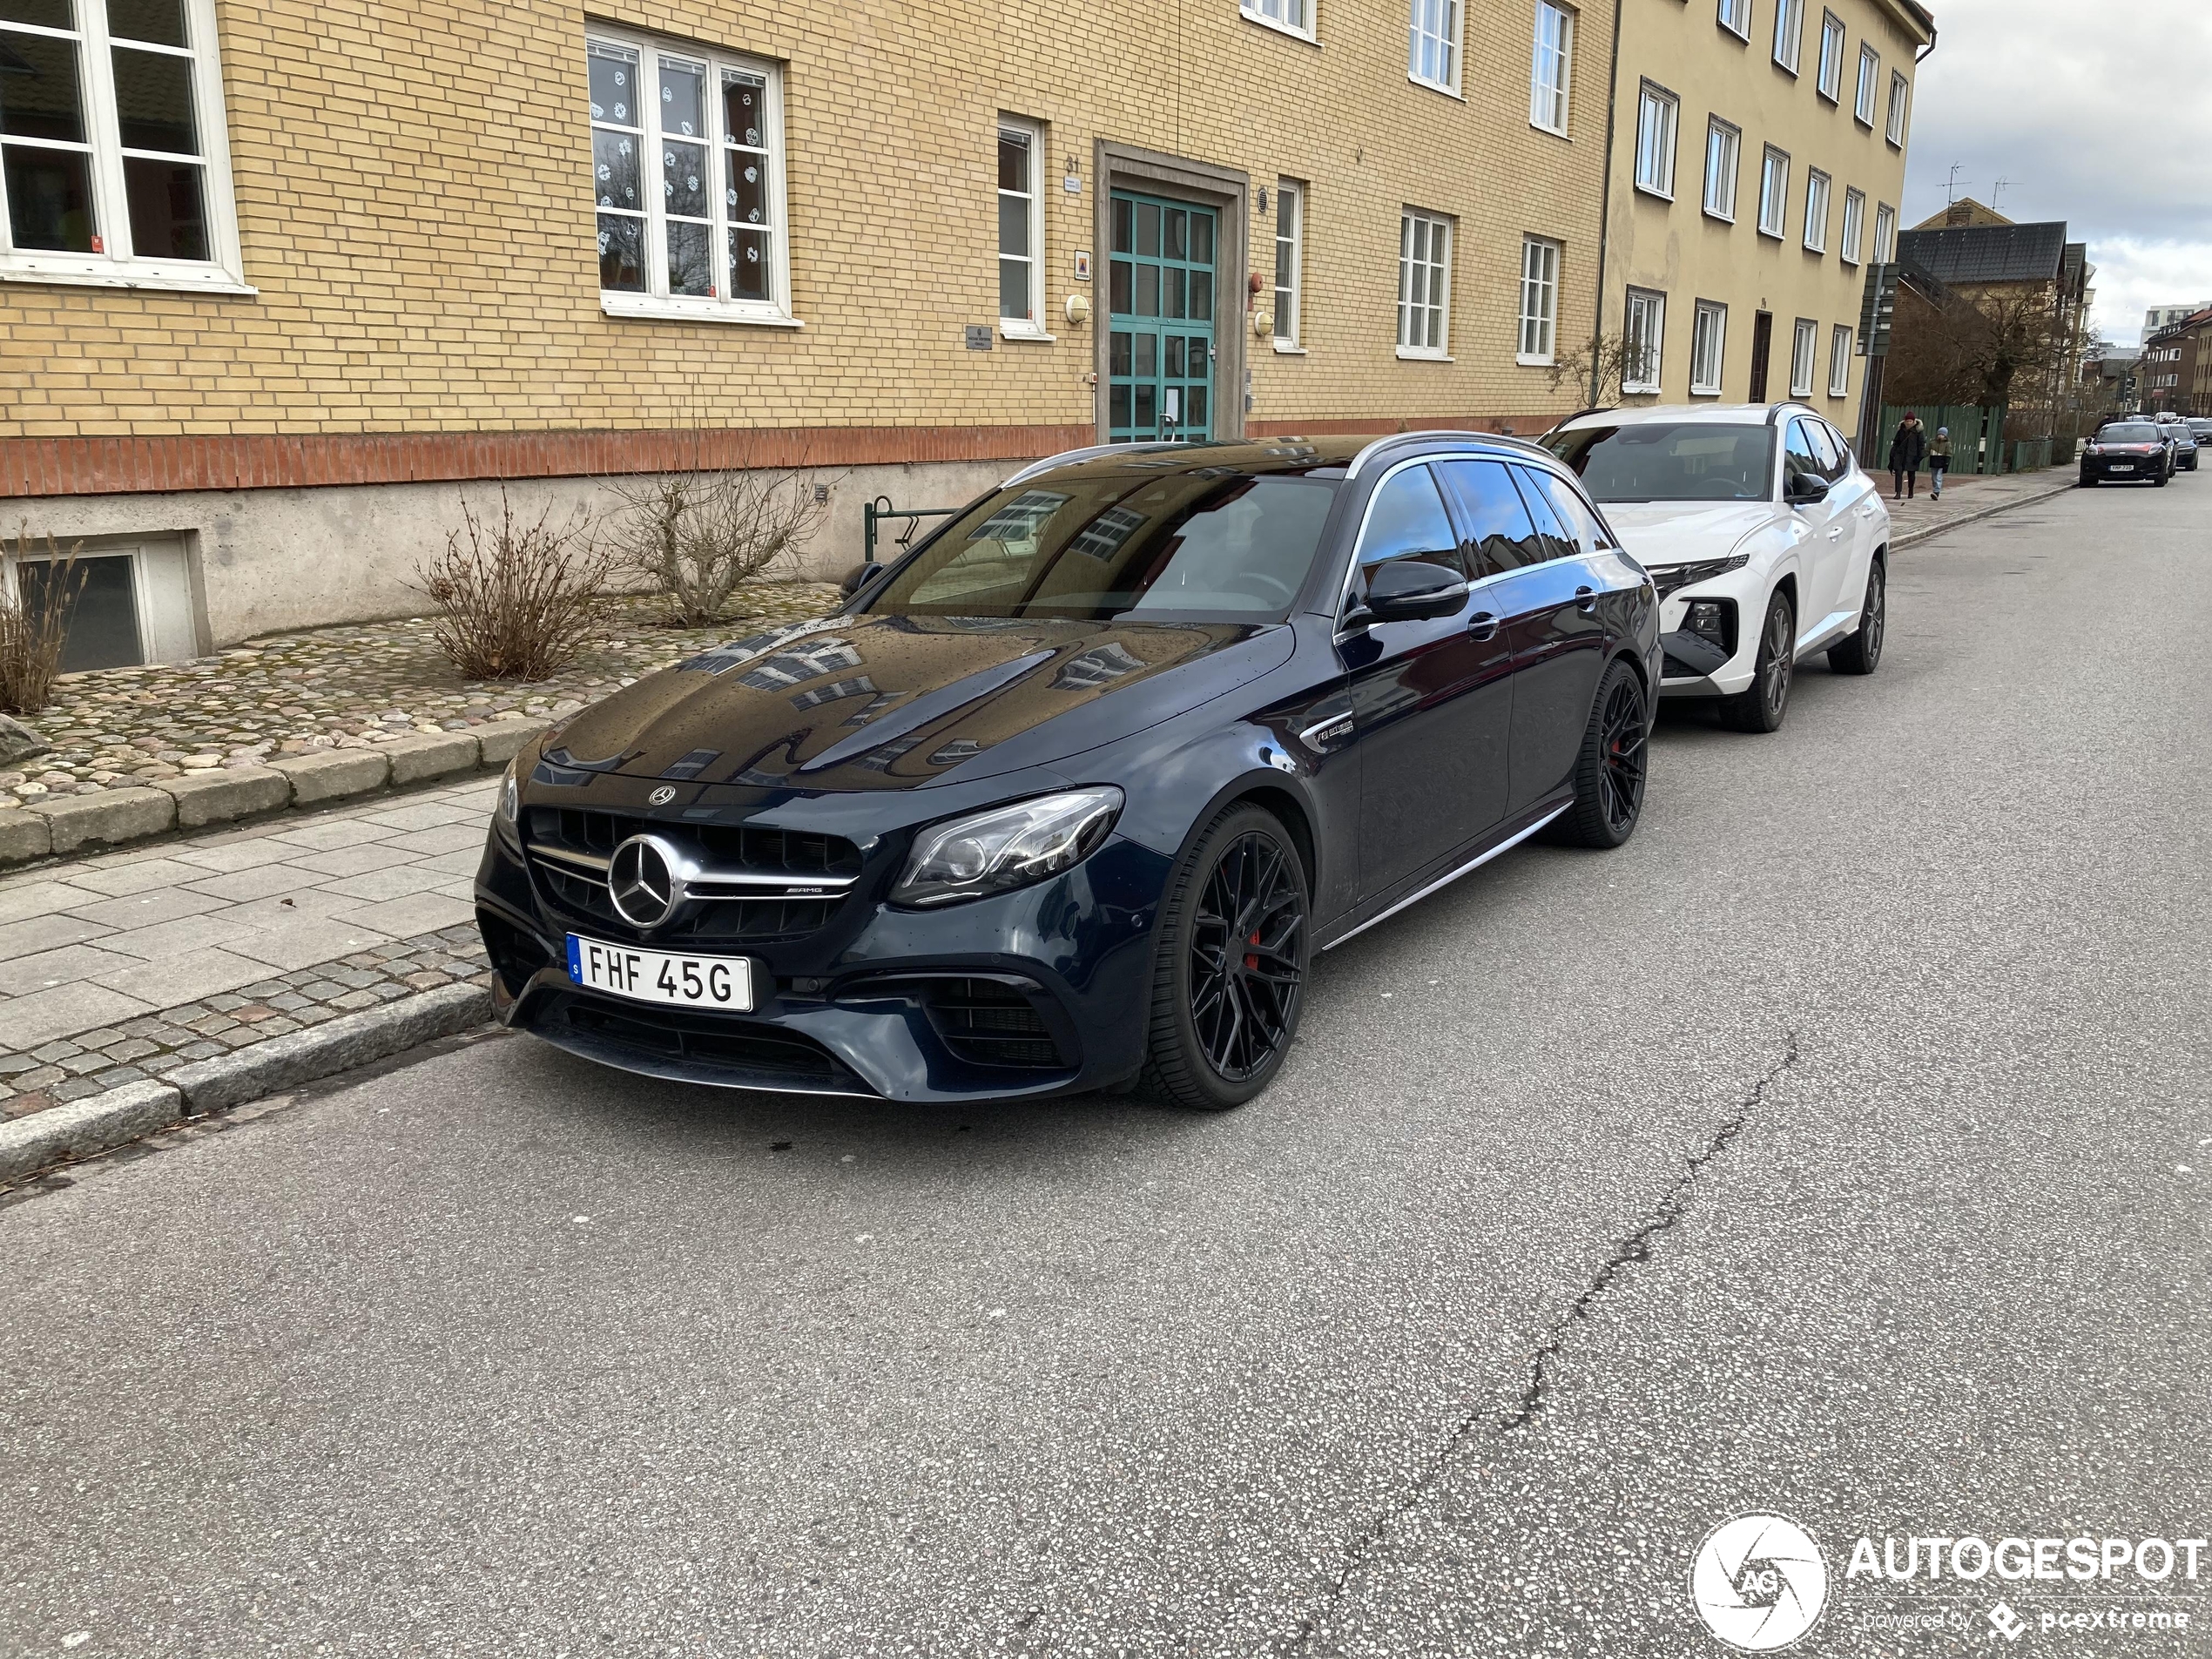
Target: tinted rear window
[1670,461]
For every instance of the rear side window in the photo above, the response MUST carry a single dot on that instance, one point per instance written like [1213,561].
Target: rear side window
[1799,459]
[1572,511]
[1559,542]
[1500,534]
[1406,521]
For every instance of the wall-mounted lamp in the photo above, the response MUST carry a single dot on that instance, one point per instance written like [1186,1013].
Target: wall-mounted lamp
[1078,309]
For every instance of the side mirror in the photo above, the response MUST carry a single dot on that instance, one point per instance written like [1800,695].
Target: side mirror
[1806,489]
[1414,589]
[858,578]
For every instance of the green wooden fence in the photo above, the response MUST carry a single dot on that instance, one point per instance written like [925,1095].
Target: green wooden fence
[1977,442]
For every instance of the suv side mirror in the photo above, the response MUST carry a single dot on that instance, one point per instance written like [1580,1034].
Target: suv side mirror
[1413,588]
[1806,489]
[858,578]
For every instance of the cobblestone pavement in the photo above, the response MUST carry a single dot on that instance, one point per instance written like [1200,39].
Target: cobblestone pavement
[339,688]
[113,964]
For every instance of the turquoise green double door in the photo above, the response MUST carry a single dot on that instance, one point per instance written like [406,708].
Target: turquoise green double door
[1161,291]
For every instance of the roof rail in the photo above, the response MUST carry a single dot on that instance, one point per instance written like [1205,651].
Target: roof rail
[1088,452]
[1360,460]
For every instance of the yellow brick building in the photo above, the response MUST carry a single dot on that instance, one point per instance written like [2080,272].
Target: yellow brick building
[279,279]
[1758,165]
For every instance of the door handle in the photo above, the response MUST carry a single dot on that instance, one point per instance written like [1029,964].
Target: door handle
[1483,625]
[1835,532]
[1586,601]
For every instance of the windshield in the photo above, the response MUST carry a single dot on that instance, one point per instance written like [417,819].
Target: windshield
[2129,435]
[1205,539]
[1670,461]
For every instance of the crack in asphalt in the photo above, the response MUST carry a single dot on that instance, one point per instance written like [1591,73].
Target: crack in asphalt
[1635,1247]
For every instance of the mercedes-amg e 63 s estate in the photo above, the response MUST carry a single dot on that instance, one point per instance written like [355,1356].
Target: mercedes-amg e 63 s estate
[1068,795]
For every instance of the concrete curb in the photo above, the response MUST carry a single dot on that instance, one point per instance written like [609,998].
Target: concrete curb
[100,1122]
[83,824]
[1915,537]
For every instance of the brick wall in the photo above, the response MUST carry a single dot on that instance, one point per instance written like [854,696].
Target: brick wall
[412,192]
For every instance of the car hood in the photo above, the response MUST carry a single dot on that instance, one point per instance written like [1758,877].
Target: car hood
[1675,532]
[874,702]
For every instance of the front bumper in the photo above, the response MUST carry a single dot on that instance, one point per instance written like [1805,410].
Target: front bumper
[1692,665]
[1039,992]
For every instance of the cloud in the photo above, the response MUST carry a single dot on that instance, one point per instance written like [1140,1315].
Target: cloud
[2095,120]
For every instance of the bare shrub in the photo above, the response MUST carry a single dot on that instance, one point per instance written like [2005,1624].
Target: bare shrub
[698,537]
[517,600]
[34,619]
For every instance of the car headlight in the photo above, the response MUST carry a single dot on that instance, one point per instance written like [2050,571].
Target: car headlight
[1007,847]
[508,813]
[1671,578]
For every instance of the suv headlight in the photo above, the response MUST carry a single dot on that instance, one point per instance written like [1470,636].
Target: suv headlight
[1007,847]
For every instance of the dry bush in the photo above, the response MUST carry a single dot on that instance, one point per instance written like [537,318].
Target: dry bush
[34,626]
[516,600]
[698,537]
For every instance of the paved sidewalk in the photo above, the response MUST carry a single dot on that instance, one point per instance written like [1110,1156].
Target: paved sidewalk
[1966,498]
[113,964]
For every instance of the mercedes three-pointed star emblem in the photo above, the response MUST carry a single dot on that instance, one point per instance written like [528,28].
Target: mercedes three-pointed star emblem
[644,882]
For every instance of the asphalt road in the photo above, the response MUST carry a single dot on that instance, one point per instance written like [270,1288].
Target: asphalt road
[1840,1147]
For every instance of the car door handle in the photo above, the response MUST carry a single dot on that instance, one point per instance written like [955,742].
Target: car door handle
[1835,532]
[1483,625]
[1586,601]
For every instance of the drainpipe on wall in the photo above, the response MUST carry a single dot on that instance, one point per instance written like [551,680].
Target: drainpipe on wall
[1605,208]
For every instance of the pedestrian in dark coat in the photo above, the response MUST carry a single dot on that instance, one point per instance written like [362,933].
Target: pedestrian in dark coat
[1906,450]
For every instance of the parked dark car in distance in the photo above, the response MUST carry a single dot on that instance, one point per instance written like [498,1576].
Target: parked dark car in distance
[1068,795]
[2128,452]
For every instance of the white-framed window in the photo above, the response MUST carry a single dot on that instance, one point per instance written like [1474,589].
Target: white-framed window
[113,147]
[1869,78]
[1854,224]
[1551,69]
[1708,337]
[1900,94]
[1289,259]
[1884,233]
[1832,56]
[1736,16]
[1658,112]
[1292,16]
[1432,45]
[1723,148]
[1643,331]
[1424,284]
[1774,192]
[1840,355]
[1804,346]
[1021,229]
[1789,33]
[1538,300]
[687,169]
[1817,194]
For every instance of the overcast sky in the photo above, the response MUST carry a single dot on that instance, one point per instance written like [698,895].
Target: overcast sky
[2099,113]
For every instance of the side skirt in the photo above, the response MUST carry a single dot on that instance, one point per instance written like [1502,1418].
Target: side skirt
[1442,881]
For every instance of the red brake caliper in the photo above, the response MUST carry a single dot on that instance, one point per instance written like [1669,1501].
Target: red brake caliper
[1250,961]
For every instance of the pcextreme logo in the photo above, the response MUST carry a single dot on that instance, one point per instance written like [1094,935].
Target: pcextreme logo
[1759,1582]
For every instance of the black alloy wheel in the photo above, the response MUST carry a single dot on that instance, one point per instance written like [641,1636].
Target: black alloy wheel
[1761,704]
[1861,651]
[1235,942]
[1609,771]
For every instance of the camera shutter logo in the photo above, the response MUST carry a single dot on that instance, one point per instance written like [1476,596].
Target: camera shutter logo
[1759,1582]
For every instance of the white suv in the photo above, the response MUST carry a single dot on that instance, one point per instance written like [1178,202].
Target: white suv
[1765,539]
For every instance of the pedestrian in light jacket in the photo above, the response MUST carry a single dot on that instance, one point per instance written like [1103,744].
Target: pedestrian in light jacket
[1939,461]
[1906,450]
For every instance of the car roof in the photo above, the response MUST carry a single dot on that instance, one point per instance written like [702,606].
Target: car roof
[1688,414]
[1257,457]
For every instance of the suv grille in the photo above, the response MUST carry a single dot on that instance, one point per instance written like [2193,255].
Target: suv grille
[568,848]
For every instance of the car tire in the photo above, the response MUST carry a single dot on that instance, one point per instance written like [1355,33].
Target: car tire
[1860,651]
[1221,1021]
[2158,482]
[1763,705]
[1611,766]
[2087,479]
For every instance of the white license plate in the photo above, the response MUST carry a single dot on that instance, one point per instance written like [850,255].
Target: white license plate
[2124,466]
[658,976]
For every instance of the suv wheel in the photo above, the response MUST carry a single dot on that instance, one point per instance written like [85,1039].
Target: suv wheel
[1862,650]
[1236,939]
[1761,704]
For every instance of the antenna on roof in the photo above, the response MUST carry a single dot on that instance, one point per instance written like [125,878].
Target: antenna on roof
[1997,192]
[1951,184]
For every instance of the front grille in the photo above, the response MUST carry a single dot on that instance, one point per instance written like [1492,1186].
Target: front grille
[766,1055]
[747,850]
[988,1023]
